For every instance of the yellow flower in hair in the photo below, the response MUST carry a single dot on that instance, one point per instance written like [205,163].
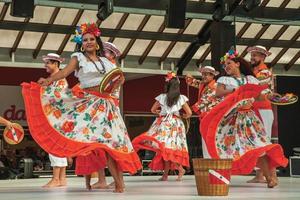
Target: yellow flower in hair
[83,27]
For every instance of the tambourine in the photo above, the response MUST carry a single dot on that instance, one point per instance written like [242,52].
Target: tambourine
[110,80]
[287,99]
[14,135]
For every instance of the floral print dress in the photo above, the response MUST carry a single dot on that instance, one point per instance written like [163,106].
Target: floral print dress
[68,123]
[166,136]
[233,130]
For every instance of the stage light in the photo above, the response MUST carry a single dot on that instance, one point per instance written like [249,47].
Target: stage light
[105,9]
[248,5]
[22,8]
[222,9]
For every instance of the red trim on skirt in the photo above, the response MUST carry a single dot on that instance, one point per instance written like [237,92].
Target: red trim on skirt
[246,163]
[55,143]
[162,153]
[93,162]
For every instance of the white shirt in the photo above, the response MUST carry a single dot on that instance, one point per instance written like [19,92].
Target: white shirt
[88,75]
[165,109]
[233,83]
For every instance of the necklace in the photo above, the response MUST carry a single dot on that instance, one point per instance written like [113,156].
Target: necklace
[240,82]
[101,71]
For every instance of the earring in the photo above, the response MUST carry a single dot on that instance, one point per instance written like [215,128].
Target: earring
[81,49]
[97,47]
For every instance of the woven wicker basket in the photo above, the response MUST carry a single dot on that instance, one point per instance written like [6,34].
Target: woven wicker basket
[201,171]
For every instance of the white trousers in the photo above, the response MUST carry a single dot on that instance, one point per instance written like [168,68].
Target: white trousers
[267,119]
[204,150]
[57,161]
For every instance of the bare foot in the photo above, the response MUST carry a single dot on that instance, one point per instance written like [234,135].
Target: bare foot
[180,175]
[88,187]
[112,185]
[272,182]
[99,185]
[257,180]
[163,178]
[52,183]
[118,189]
[63,182]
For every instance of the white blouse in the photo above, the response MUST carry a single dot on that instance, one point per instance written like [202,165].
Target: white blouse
[232,83]
[88,75]
[165,109]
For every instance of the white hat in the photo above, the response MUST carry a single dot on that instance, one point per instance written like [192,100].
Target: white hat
[259,49]
[208,69]
[53,56]
[110,46]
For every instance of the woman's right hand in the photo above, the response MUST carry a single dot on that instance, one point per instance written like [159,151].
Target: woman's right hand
[44,81]
[9,125]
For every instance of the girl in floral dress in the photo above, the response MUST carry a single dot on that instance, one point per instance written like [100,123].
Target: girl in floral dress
[232,129]
[84,121]
[167,135]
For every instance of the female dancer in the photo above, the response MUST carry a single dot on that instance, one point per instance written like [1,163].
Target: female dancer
[232,129]
[85,122]
[86,165]
[167,136]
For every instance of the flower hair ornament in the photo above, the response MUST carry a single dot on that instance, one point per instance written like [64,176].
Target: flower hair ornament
[170,76]
[232,53]
[85,28]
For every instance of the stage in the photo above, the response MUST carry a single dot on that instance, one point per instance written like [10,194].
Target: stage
[145,187]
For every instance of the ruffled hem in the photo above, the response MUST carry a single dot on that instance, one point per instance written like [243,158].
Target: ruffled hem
[162,153]
[246,163]
[55,143]
[93,162]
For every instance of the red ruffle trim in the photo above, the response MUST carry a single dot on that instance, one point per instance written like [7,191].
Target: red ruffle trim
[162,153]
[246,163]
[93,162]
[55,143]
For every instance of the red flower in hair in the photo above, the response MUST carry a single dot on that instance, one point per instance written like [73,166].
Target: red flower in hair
[90,28]
[169,76]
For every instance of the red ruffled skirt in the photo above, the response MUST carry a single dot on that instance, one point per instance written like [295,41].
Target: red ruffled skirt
[166,137]
[93,162]
[70,123]
[232,130]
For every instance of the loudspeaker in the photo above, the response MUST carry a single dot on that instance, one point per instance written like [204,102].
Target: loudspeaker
[289,119]
[22,8]
[288,116]
[222,37]
[294,162]
[105,9]
[175,14]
